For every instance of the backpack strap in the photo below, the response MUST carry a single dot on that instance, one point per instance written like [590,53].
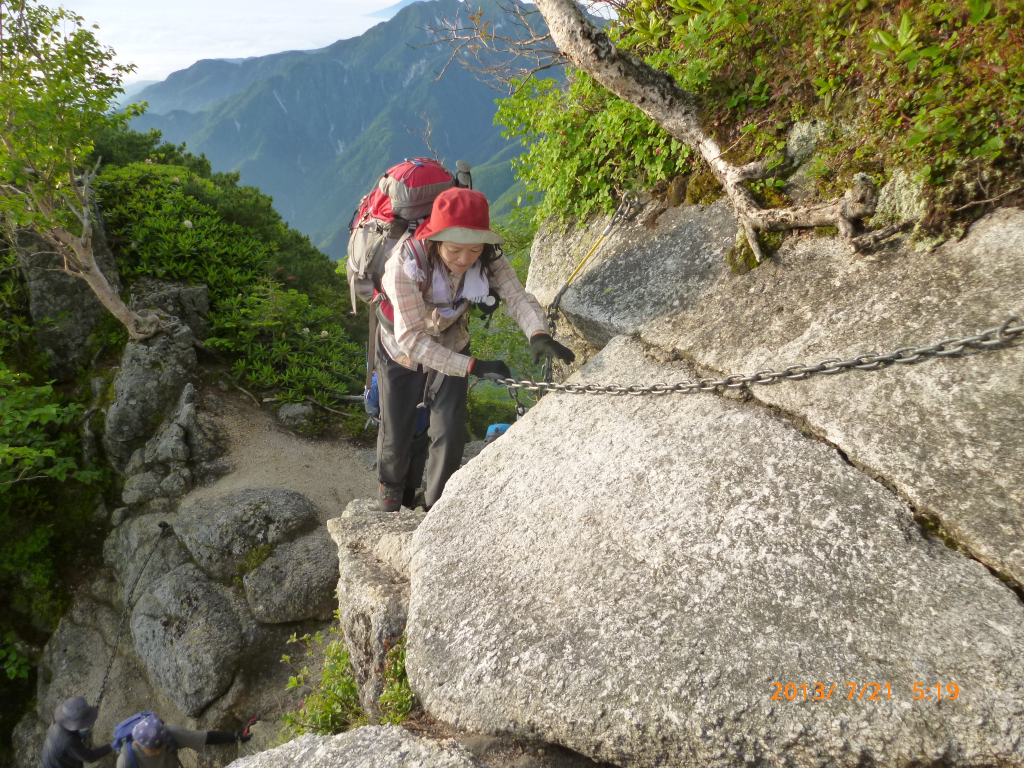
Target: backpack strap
[133,759]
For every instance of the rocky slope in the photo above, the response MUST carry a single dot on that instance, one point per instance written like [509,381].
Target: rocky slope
[641,578]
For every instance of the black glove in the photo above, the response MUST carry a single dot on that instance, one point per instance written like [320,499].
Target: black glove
[244,736]
[542,345]
[221,737]
[490,369]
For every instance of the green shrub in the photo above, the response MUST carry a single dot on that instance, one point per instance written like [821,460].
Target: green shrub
[281,341]
[331,703]
[397,700]
[932,86]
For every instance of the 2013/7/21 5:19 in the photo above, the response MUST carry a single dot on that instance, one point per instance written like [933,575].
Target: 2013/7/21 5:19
[799,691]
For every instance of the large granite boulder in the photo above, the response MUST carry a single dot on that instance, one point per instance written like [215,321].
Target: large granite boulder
[296,582]
[188,634]
[147,387]
[641,579]
[638,272]
[384,746]
[946,434]
[222,532]
[373,551]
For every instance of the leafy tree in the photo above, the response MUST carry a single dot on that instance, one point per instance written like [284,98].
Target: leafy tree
[56,87]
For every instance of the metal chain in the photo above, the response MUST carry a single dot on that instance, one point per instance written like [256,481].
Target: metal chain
[1002,336]
[165,529]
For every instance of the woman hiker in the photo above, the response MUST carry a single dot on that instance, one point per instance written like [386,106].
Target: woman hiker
[423,354]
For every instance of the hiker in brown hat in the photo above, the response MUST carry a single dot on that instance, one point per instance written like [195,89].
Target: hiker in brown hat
[451,262]
[65,745]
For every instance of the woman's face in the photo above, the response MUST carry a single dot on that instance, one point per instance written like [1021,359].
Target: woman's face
[459,257]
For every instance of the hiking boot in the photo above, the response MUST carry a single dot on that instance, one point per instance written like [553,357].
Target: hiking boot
[390,497]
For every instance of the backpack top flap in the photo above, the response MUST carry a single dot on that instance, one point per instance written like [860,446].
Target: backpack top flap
[413,185]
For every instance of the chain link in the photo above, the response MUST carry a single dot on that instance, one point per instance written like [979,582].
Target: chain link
[1002,336]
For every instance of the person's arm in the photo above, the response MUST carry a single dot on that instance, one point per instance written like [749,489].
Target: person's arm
[79,751]
[412,319]
[523,306]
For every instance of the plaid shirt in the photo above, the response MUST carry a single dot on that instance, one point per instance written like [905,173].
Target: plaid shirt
[423,336]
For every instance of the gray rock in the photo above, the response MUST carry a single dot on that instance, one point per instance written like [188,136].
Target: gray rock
[27,741]
[803,139]
[65,300]
[127,550]
[208,471]
[373,588]
[638,273]
[141,488]
[189,303]
[382,746]
[633,589]
[171,445]
[296,582]
[189,638]
[900,199]
[119,515]
[149,383]
[472,450]
[296,415]
[177,483]
[946,433]
[221,531]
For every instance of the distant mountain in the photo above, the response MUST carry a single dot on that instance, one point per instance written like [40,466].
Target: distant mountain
[316,128]
[391,10]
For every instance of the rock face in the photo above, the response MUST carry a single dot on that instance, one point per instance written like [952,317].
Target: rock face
[705,552]
[189,638]
[184,451]
[638,273]
[296,414]
[946,433]
[373,588]
[66,301]
[296,582]
[150,382]
[189,303]
[221,532]
[385,746]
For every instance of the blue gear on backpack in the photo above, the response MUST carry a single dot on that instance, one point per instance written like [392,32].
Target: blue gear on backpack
[123,735]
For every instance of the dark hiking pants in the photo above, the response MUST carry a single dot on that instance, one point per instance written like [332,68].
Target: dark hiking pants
[401,391]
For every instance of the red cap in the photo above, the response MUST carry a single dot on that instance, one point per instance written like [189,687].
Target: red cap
[460,216]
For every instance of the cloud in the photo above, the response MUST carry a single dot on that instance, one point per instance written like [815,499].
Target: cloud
[162,37]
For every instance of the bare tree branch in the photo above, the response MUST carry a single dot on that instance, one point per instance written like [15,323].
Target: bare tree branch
[424,136]
[504,52]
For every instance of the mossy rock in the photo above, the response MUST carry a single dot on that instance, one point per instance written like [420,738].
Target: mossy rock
[703,189]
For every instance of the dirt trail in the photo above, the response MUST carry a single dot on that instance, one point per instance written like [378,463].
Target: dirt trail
[262,453]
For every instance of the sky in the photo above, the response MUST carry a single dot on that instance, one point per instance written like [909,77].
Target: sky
[163,36]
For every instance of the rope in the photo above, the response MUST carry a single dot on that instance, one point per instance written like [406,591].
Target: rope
[165,529]
[626,210]
[994,338]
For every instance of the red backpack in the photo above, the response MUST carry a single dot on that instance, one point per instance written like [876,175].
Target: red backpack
[404,197]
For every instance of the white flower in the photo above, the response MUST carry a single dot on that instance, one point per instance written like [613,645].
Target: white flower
[188,224]
[305,330]
[149,161]
[324,334]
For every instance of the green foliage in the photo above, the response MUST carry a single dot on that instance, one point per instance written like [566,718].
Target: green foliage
[933,86]
[488,405]
[15,664]
[56,84]
[280,340]
[397,700]
[159,229]
[585,147]
[118,145]
[331,703]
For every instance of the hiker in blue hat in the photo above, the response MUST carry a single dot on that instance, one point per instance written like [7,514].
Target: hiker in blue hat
[155,744]
[65,744]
